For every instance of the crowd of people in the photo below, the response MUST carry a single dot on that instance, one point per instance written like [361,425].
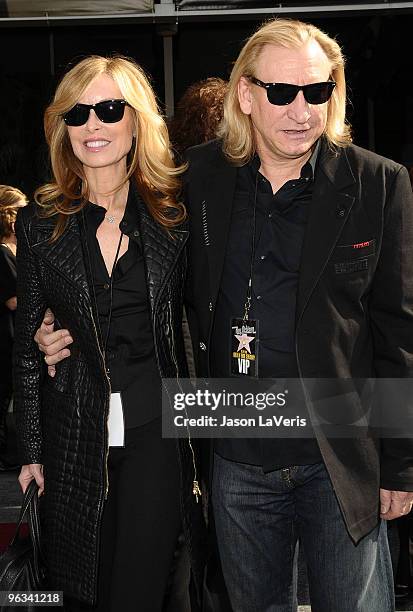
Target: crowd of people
[275,221]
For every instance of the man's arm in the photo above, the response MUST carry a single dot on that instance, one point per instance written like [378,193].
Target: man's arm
[52,343]
[391,314]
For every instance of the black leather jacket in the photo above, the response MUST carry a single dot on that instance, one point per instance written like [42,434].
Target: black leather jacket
[61,421]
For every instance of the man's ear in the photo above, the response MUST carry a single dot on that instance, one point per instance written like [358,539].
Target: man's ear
[245,95]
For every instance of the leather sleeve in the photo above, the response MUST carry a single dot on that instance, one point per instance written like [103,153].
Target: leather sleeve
[28,362]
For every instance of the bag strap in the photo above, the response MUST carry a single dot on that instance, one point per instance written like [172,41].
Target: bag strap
[30,492]
[30,505]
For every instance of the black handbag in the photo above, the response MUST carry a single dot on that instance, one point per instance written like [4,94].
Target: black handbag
[21,565]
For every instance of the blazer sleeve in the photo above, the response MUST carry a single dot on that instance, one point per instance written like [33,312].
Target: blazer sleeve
[391,313]
[28,363]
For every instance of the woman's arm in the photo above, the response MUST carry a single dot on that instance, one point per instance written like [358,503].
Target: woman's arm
[28,364]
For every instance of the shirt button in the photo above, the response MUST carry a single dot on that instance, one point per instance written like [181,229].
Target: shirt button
[210,306]
[106,286]
[202,346]
[263,256]
[259,297]
[136,233]
[269,215]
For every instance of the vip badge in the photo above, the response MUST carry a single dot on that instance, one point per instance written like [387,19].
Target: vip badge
[244,347]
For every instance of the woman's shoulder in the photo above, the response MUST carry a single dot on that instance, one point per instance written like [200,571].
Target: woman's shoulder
[31,215]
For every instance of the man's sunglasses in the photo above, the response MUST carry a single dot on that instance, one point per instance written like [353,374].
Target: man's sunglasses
[108,111]
[284,93]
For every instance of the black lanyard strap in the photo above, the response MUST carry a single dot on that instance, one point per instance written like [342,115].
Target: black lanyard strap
[247,305]
[105,346]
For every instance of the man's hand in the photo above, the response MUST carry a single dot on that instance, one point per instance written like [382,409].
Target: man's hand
[52,343]
[11,303]
[395,503]
[28,472]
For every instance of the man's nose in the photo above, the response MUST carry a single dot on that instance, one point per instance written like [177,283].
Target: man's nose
[93,123]
[299,109]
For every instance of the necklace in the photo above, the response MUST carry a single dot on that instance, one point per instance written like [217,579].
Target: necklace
[110,218]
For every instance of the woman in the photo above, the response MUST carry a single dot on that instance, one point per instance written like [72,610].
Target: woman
[11,199]
[103,247]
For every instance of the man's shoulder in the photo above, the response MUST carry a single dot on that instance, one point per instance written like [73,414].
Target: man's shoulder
[206,154]
[361,157]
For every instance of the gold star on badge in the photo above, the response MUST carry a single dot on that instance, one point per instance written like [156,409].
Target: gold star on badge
[244,342]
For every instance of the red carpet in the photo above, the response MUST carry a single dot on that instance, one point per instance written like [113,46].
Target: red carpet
[7,532]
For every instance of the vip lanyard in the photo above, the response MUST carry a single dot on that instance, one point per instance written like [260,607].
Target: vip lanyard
[247,305]
[89,261]
[105,346]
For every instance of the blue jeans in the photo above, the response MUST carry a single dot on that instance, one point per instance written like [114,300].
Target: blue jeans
[259,517]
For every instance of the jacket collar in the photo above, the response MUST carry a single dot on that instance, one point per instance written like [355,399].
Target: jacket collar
[218,193]
[161,249]
[334,194]
[68,255]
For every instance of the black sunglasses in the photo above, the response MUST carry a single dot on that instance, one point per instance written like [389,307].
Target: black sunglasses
[284,93]
[108,111]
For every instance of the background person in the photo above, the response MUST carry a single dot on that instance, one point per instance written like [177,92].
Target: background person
[103,246]
[11,199]
[198,114]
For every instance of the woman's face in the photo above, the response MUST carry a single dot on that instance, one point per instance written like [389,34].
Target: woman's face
[97,144]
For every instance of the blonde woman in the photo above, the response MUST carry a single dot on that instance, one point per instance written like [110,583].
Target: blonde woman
[11,199]
[104,247]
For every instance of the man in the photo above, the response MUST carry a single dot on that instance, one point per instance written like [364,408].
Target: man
[332,290]
[296,228]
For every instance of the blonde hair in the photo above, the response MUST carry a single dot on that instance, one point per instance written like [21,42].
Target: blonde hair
[11,199]
[150,160]
[236,128]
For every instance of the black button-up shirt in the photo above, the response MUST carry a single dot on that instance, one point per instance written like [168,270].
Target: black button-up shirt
[281,220]
[130,353]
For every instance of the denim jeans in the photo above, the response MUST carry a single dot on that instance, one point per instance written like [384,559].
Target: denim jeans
[259,517]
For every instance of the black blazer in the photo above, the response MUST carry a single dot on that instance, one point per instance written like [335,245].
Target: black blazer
[61,421]
[352,320]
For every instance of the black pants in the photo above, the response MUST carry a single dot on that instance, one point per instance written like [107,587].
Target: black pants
[141,523]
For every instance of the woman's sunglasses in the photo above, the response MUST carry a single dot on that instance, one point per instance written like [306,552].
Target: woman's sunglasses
[108,111]
[284,93]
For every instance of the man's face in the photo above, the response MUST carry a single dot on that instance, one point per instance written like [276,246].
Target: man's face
[286,132]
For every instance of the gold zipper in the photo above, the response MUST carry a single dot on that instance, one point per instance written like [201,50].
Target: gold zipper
[196,490]
[107,410]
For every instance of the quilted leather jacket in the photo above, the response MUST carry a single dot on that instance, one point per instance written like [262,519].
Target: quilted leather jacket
[61,421]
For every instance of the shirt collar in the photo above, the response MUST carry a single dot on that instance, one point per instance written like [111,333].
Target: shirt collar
[307,170]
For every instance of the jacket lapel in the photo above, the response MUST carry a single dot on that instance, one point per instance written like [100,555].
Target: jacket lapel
[333,197]
[161,251]
[65,255]
[219,187]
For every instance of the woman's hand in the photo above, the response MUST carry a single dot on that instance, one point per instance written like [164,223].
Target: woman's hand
[28,472]
[52,343]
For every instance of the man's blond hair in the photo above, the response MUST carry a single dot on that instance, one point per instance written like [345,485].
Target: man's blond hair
[236,129]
